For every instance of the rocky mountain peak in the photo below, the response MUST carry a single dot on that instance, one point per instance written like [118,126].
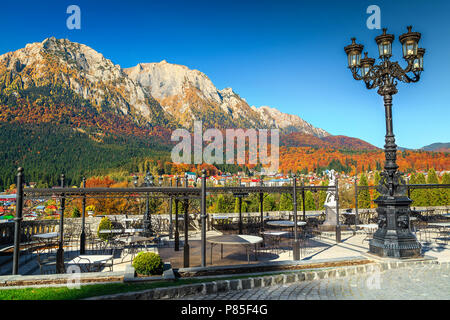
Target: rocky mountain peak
[157,93]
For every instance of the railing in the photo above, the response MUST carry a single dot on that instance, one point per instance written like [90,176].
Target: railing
[29,228]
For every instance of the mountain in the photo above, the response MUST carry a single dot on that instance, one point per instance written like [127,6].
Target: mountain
[437,147]
[189,95]
[297,139]
[82,70]
[288,122]
[65,108]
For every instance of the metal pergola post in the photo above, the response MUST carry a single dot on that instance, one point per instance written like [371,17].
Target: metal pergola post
[17,221]
[186,229]
[170,214]
[177,231]
[203,216]
[261,200]
[60,252]
[240,214]
[296,245]
[338,224]
[303,201]
[356,201]
[83,223]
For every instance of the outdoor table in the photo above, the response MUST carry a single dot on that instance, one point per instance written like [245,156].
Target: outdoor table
[120,231]
[46,238]
[235,239]
[285,223]
[91,260]
[112,231]
[275,235]
[220,217]
[133,230]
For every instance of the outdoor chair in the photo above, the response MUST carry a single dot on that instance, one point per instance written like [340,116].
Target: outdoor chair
[422,231]
[46,262]
[84,264]
[311,229]
[108,247]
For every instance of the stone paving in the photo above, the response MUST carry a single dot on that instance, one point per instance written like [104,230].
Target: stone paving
[428,281]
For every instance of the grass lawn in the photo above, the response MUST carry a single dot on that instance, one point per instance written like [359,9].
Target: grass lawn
[92,290]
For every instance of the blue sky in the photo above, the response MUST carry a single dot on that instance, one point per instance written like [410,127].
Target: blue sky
[284,54]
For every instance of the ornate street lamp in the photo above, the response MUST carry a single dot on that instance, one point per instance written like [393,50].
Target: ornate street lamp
[393,237]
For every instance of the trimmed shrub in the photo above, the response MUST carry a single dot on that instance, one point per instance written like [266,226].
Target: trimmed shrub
[148,263]
[105,224]
[76,212]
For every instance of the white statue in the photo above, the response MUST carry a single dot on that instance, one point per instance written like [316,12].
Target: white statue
[330,200]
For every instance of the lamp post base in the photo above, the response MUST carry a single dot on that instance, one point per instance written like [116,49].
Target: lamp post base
[394,238]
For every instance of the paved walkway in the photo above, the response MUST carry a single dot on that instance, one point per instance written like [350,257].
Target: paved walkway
[431,281]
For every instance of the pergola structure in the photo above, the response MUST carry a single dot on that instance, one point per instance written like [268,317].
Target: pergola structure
[178,193]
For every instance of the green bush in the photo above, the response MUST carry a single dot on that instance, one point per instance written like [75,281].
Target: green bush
[148,263]
[76,212]
[105,224]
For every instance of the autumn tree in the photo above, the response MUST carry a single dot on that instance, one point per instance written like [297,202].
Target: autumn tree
[364,194]
[286,202]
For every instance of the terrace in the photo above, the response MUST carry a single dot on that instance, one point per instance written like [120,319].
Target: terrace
[184,244]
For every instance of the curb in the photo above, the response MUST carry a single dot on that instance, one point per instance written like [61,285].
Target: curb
[259,282]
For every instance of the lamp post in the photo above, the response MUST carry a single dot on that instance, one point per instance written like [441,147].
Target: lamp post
[393,237]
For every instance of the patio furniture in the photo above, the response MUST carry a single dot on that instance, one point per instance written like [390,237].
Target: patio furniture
[369,230]
[133,243]
[131,222]
[285,224]
[272,239]
[235,239]
[48,240]
[422,231]
[92,263]
[46,262]
[443,230]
